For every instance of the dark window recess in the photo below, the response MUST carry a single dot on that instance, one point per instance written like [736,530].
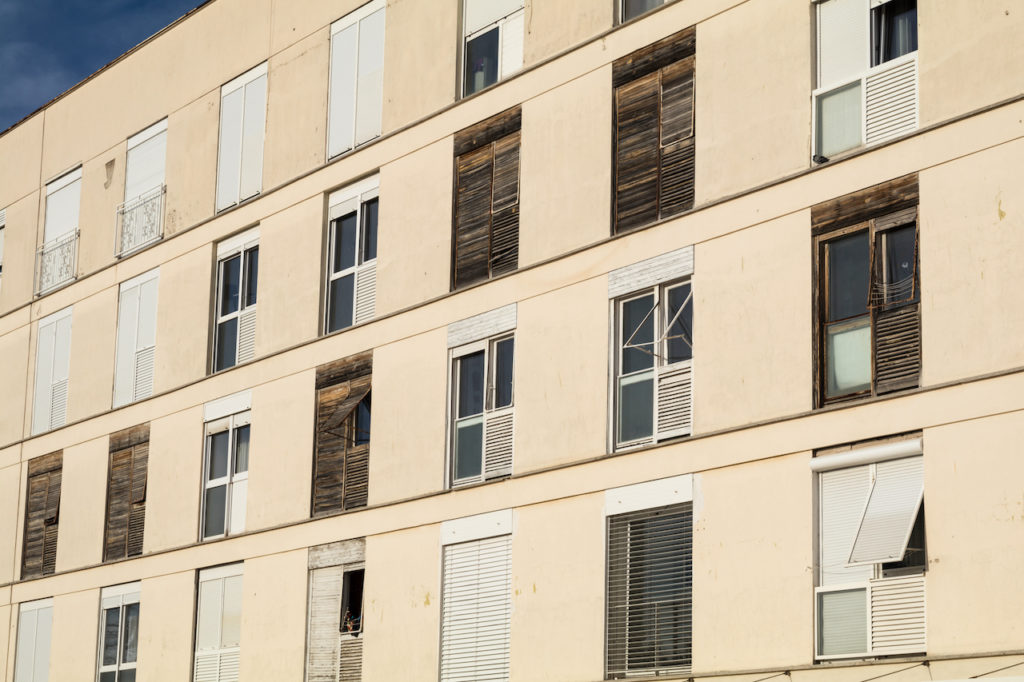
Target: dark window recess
[868,292]
[893,30]
[42,514]
[654,150]
[341,456]
[352,602]
[486,220]
[126,493]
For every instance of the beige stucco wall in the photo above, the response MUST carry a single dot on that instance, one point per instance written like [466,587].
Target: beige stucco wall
[83,502]
[10,501]
[557,580]
[565,176]
[191,165]
[14,376]
[17,180]
[281,455]
[415,225]
[959,40]
[75,627]
[402,606]
[408,429]
[93,341]
[274,630]
[19,251]
[971,232]
[165,642]
[296,138]
[752,324]
[293,21]
[556,26]
[290,267]
[183,319]
[102,191]
[173,480]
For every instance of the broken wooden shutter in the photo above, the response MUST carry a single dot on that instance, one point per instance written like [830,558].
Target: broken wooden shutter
[653,129]
[333,655]
[126,493]
[897,337]
[486,225]
[341,464]
[42,513]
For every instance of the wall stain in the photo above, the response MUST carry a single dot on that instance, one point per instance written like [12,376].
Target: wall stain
[999,207]
[426,599]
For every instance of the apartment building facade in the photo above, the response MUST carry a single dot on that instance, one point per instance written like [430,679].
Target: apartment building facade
[520,340]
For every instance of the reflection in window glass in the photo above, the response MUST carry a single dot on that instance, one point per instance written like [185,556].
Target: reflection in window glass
[227,344]
[252,267]
[849,271]
[848,357]
[370,210]
[471,384]
[111,628]
[216,506]
[130,643]
[230,275]
[242,449]
[893,30]
[482,61]
[218,467]
[468,448]
[637,334]
[636,407]
[345,242]
[634,8]
[504,355]
[679,335]
[839,120]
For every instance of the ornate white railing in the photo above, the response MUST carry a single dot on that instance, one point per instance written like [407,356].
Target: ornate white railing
[55,264]
[139,222]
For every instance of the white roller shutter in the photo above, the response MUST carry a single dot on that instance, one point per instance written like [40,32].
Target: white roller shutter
[254,123]
[147,153]
[341,127]
[53,358]
[842,40]
[480,13]
[218,625]
[844,494]
[370,85]
[243,112]
[136,339]
[357,78]
[476,610]
[63,198]
[32,656]
[891,509]
[512,36]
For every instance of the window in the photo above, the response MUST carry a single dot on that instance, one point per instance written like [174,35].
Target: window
[59,252]
[868,293]
[218,624]
[42,514]
[352,255]
[336,578]
[226,466]
[867,73]
[119,633]
[243,115]
[357,78]
[493,36]
[238,262]
[654,131]
[126,493]
[870,597]
[631,9]
[140,217]
[650,584]
[482,353]
[476,597]
[652,359]
[32,657]
[53,362]
[341,460]
[136,338]
[486,224]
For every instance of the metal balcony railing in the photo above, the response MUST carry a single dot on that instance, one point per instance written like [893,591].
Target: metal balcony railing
[139,222]
[56,261]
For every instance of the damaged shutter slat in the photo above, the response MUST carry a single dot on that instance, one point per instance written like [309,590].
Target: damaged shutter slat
[39,552]
[504,256]
[637,152]
[340,467]
[897,348]
[677,141]
[126,493]
[473,215]
[137,512]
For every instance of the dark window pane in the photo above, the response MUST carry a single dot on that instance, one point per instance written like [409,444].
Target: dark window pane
[218,467]
[468,449]
[471,384]
[108,676]
[230,270]
[482,61]
[503,362]
[111,622]
[252,270]
[242,449]
[362,434]
[636,407]
[213,524]
[126,676]
[370,230]
[848,276]
[130,645]
[899,248]
[344,242]
[638,331]
[679,335]
[339,313]
[893,30]
[227,344]
[352,602]
[634,8]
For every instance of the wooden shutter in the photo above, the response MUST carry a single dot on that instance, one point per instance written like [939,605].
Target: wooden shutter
[340,468]
[486,222]
[676,179]
[126,493]
[476,610]
[324,624]
[42,513]
[636,152]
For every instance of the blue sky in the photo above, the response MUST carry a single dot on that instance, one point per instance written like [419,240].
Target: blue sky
[46,46]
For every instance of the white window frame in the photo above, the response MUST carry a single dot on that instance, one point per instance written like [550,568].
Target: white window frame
[218,574]
[39,425]
[142,279]
[31,674]
[117,597]
[235,484]
[354,18]
[238,245]
[229,88]
[364,272]
[501,24]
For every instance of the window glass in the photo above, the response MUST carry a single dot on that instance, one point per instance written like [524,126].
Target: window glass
[126,675]
[679,335]
[242,449]
[362,431]
[352,602]
[110,676]
[842,624]
[504,356]
[471,384]
[848,357]
[227,342]
[345,242]
[839,119]
[341,304]
[252,267]
[638,334]
[111,627]
[370,209]
[899,247]
[848,269]
[218,455]
[216,501]
[636,407]
[130,645]
[481,61]
[468,448]
[634,8]
[230,271]
[893,30]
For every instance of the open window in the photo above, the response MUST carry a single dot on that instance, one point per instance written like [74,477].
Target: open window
[335,643]
[493,32]
[341,460]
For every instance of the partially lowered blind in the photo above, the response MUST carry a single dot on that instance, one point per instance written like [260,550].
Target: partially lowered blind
[650,580]
[476,610]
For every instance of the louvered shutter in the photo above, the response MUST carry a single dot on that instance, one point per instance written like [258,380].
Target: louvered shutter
[118,505]
[504,247]
[474,173]
[676,176]
[324,624]
[891,510]
[675,400]
[126,493]
[246,335]
[637,149]
[476,610]
[843,496]
[366,291]
[498,439]
[370,79]
[42,514]
[218,625]
[340,467]
[650,584]
[136,339]
[53,357]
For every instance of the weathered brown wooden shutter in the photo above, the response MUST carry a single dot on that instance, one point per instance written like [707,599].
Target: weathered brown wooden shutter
[486,221]
[42,514]
[654,131]
[126,493]
[897,325]
[340,467]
